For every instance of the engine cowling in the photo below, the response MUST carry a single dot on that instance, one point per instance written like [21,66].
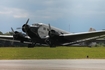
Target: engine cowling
[25,27]
[19,36]
[53,38]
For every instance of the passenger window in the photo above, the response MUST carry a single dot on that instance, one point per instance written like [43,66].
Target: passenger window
[44,28]
[47,29]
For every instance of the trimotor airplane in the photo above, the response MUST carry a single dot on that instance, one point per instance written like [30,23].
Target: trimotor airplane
[52,36]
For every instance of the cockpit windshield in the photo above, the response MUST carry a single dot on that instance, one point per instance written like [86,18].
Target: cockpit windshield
[36,24]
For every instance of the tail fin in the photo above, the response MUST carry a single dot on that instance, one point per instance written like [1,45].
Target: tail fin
[91,29]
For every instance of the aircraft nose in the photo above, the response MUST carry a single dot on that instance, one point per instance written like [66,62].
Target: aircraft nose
[25,27]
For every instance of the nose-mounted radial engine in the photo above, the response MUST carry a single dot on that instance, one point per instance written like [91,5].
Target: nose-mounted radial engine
[27,29]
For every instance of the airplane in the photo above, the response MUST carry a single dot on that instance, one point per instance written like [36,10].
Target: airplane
[52,36]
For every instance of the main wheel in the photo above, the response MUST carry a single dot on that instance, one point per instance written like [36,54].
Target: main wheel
[30,46]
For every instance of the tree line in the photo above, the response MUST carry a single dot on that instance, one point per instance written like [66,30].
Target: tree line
[7,33]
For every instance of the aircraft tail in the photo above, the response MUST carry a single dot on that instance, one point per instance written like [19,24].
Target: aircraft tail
[92,29]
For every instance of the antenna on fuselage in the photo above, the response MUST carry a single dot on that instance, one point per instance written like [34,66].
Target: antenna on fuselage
[69,27]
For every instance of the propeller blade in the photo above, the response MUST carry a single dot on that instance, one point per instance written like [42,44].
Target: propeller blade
[27,21]
[26,25]
[12,30]
[49,30]
[49,27]
[19,28]
[13,37]
[12,42]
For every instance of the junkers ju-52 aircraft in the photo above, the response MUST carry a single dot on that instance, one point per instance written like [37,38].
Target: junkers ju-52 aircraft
[52,36]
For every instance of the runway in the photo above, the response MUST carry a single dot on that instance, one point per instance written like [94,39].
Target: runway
[69,64]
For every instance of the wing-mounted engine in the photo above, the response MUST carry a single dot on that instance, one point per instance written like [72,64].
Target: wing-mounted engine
[52,40]
[19,36]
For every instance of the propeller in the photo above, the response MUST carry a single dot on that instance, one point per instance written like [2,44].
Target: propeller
[19,28]
[25,27]
[17,36]
[49,33]
[13,36]
[12,30]
[53,35]
[52,32]
[27,21]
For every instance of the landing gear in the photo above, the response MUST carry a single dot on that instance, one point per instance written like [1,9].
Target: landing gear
[51,43]
[22,41]
[52,46]
[31,45]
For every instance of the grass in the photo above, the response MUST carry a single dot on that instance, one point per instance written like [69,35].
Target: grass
[52,53]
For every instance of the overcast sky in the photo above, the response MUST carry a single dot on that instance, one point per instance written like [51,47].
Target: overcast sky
[70,15]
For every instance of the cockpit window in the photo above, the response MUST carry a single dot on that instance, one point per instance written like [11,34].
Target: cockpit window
[61,33]
[37,25]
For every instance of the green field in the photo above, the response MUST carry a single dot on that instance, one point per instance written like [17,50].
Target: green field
[52,53]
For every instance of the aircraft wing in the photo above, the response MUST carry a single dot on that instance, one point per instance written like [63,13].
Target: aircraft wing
[83,36]
[6,37]
[11,38]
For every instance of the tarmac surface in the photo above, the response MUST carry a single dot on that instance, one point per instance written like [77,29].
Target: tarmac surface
[69,64]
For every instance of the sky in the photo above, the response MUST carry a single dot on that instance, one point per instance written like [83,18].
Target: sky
[69,15]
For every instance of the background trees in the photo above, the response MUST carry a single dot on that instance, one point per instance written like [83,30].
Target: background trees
[7,33]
